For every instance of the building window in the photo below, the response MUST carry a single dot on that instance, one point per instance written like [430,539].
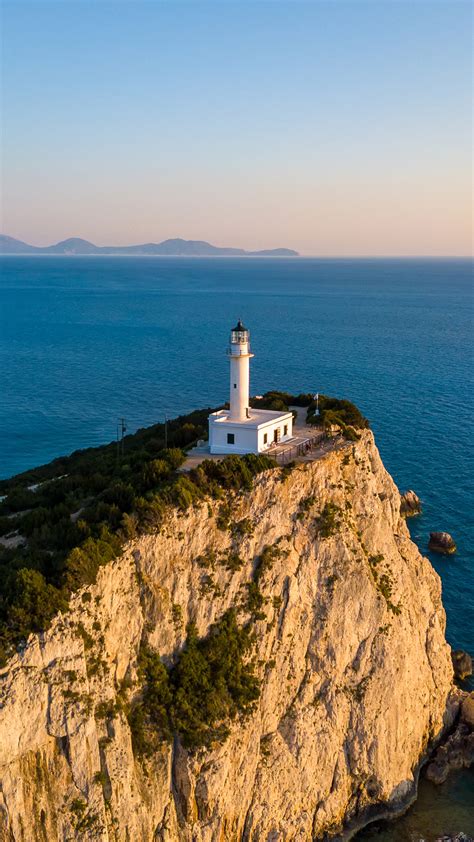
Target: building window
[265,438]
[230,438]
[285,430]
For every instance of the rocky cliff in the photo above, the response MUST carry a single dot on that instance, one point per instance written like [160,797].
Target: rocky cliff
[355,673]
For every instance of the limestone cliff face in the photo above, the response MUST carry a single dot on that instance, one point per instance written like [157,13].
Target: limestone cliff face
[352,694]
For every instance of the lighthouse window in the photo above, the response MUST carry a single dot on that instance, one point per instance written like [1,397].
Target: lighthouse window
[230,438]
[235,385]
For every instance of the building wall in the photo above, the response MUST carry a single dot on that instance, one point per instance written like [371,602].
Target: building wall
[270,430]
[247,439]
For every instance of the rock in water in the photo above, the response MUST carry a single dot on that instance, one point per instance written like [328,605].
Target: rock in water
[410,504]
[462,664]
[442,542]
[467,710]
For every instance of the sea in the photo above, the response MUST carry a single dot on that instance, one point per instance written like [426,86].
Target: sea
[88,341]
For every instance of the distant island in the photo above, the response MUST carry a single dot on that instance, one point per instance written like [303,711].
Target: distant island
[171,248]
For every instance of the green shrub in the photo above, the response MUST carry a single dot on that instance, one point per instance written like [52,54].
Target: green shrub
[207,559]
[383,581]
[329,521]
[223,516]
[83,562]
[210,684]
[263,563]
[232,561]
[149,719]
[154,473]
[243,527]
[304,507]
[341,413]
[33,603]
[213,683]
[266,559]
[255,601]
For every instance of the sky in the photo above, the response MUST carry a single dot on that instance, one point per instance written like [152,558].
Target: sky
[334,127]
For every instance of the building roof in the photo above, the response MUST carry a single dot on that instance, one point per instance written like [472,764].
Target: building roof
[258,418]
[239,326]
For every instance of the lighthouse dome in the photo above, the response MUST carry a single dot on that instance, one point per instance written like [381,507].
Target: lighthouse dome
[239,334]
[239,326]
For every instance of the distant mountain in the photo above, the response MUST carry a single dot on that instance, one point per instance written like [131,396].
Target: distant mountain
[8,245]
[172,248]
[73,245]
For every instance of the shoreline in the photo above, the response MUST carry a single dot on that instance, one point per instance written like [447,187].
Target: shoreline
[393,814]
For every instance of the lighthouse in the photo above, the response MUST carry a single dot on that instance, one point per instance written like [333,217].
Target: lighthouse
[239,356]
[241,428]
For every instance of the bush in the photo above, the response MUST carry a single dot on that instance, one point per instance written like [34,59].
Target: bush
[340,413]
[264,562]
[329,521]
[154,473]
[149,720]
[83,562]
[32,604]
[210,684]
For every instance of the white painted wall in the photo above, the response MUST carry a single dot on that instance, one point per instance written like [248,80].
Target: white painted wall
[239,383]
[246,438]
[270,430]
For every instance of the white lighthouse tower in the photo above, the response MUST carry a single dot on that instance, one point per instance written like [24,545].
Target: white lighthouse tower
[239,355]
[242,429]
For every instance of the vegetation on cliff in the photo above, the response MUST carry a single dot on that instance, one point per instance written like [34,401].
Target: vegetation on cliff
[333,412]
[74,515]
[66,519]
[211,683]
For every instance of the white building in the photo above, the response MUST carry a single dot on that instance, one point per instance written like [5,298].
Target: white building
[242,429]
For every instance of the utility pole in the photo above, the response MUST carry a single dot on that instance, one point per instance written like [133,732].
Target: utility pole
[166,432]
[121,430]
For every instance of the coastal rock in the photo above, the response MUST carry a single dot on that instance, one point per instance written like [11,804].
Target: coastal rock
[410,504]
[442,542]
[462,664]
[356,675]
[460,837]
[457,750]
[437,772]
[467,710]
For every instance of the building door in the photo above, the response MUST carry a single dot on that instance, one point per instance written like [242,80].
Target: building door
[276,435]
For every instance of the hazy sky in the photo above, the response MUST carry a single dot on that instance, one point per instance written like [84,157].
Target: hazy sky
[332,127]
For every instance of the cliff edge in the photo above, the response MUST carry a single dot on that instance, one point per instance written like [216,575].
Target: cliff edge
[349,648]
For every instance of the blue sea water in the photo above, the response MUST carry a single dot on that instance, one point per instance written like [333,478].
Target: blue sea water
[85,341]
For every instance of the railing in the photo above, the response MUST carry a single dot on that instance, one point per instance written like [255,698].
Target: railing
[283,455]
[239,353]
